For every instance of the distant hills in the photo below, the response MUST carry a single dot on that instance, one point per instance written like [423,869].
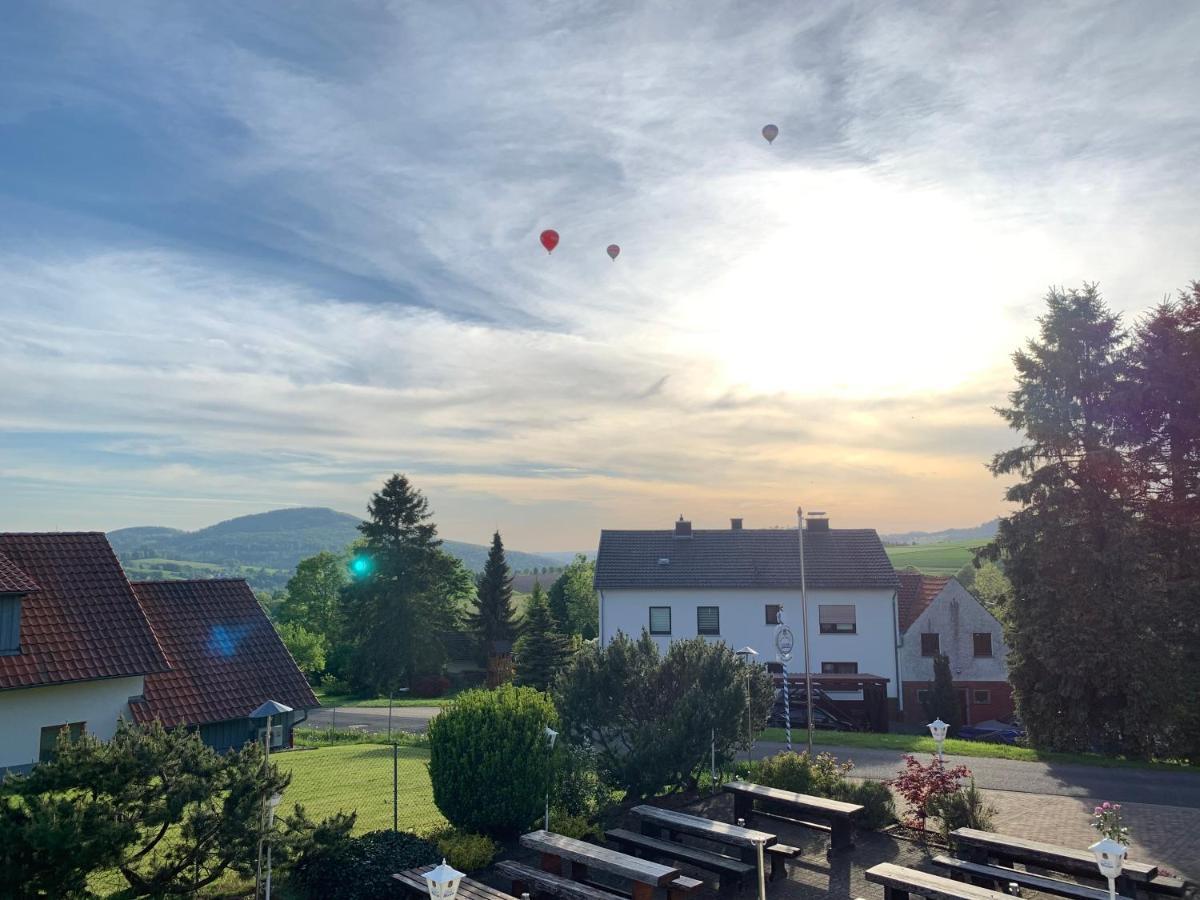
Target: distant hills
[982,533]
[265,547]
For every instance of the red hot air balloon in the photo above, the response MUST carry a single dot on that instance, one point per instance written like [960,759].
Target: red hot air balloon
[770,132]
[549,239]
[613,251]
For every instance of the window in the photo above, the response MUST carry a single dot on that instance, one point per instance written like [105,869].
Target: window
[708,620]
[773,613]
[660,620]
[983,643]
[923,697]
[983,696]
[276,735]
[930,645]
[838,619]
[49,738]
[839,668]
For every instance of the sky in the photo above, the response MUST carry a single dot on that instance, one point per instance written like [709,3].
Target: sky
[262,254]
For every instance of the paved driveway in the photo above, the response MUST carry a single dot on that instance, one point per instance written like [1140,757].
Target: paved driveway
[374,718]
[1062,779]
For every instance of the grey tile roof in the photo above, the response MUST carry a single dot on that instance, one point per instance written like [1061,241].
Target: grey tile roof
[749,558]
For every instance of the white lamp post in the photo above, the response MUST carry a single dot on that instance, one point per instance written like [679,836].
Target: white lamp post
[272,805]
[1110,859]
[938,729]
[551,737]
[443,882]
[746,655]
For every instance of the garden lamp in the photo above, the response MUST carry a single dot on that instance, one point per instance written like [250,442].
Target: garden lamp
[551,737]
[443,882]
[1110,859]
[938,729]
[746,655]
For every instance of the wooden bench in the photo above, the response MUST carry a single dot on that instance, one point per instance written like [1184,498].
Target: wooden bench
[413,881]
[898,882]
[528,879]
[554,848]
[655,821]
[839,816]
[779,854]
[731,873]
[984,847]
[998,877]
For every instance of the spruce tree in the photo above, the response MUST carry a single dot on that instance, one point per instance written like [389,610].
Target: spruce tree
[943,700]
[494,618]
[541,652]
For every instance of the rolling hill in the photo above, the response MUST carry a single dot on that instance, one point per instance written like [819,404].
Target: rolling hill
[265,547]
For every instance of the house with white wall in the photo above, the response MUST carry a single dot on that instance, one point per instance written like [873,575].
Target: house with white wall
[939,615]
[729,585]
[81,648]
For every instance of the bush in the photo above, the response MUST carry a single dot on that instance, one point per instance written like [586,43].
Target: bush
[879,808]
[579,827]
[430,686]
[467,852]
[787,771]
[578,790]
[489,760]
[924,786]
[824,776]
[964,808]
[359,868]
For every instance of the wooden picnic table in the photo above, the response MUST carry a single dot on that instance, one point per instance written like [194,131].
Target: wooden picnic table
[413,880]
[645,874]
[898,882]
[745,839]
[984,846]
[839,815]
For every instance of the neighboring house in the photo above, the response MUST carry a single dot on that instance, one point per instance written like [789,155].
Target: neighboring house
[939,615]
[729,584]
[75,646]
[226,658]
[82,648]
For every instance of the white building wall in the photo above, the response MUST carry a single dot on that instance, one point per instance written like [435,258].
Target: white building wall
[744,623]
[24,712]
[955,615]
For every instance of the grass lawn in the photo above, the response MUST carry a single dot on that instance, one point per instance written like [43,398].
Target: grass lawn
[945,558]
[328,699]
[359,777]
[914,743]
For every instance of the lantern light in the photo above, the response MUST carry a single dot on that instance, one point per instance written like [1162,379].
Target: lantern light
[938,729]
[443,882]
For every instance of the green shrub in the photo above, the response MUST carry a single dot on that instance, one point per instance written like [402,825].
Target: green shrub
[787,771]
[359,868]
[825,776]
[579,827]
[578,790]
[964,808]
[467,852]
[489,760]
[879,807]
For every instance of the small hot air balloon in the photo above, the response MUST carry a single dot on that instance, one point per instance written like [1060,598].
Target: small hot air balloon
[549,239]
[770,132]
[613,251]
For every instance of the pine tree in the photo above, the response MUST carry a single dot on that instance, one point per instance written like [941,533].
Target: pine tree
[494,618]
[542,651]
[943,699]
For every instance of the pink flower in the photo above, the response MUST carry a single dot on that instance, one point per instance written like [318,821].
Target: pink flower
[1116,806]
[1098,810]
[1106,805]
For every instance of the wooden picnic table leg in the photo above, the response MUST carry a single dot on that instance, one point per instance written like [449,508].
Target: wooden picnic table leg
[1126,886]
[642,891]
[841,835]
[743,806]
[778,867]
[579,871]
[891,893]
[551,864]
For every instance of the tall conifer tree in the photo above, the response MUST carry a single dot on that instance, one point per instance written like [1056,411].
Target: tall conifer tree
[494,618]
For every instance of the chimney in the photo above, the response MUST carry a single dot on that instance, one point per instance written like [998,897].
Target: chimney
[735,524]
[817,522]
[683,529]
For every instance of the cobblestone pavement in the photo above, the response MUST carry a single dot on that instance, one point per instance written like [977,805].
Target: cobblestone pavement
[1056,779]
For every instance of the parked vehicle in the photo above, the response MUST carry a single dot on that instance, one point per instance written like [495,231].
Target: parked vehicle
[824,717]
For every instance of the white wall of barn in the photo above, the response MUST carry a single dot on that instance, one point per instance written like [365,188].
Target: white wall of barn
[24,712]
[743,622]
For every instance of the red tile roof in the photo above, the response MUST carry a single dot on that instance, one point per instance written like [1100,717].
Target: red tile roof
[82,622]
[916,593]
[225,656]
[12,579]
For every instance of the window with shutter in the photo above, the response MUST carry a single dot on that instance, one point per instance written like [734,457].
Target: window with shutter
[660,620]
[839,668]
[983,643]
[773,613]
[930,644]
[838,619]
[708,620]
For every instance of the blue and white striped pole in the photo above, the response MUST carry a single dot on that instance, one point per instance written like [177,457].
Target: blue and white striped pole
[787,709]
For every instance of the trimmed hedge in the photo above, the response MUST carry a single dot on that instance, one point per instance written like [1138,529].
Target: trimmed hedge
[361,868]
[489,760]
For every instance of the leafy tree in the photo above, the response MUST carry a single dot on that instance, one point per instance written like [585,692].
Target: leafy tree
[395,613]
[992,587]
[943,699]
[541,652]
[313,597]
[573,599]
[494,618]
[1079,562]
[307,648]
[117,802]
[650,717]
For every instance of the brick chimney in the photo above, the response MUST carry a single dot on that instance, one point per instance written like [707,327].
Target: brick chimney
[683,529]
[816,521]
[735,524]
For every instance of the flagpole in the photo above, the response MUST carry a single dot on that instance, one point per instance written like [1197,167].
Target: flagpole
[804,625]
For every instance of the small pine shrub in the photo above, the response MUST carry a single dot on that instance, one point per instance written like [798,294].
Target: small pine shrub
[360,868]
[786,771]
[964,808]
[489,761]
[467,852]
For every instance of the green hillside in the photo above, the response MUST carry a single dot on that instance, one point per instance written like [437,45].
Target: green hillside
[944,558]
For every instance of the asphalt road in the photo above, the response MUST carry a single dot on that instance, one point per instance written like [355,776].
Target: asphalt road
[1063,779]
